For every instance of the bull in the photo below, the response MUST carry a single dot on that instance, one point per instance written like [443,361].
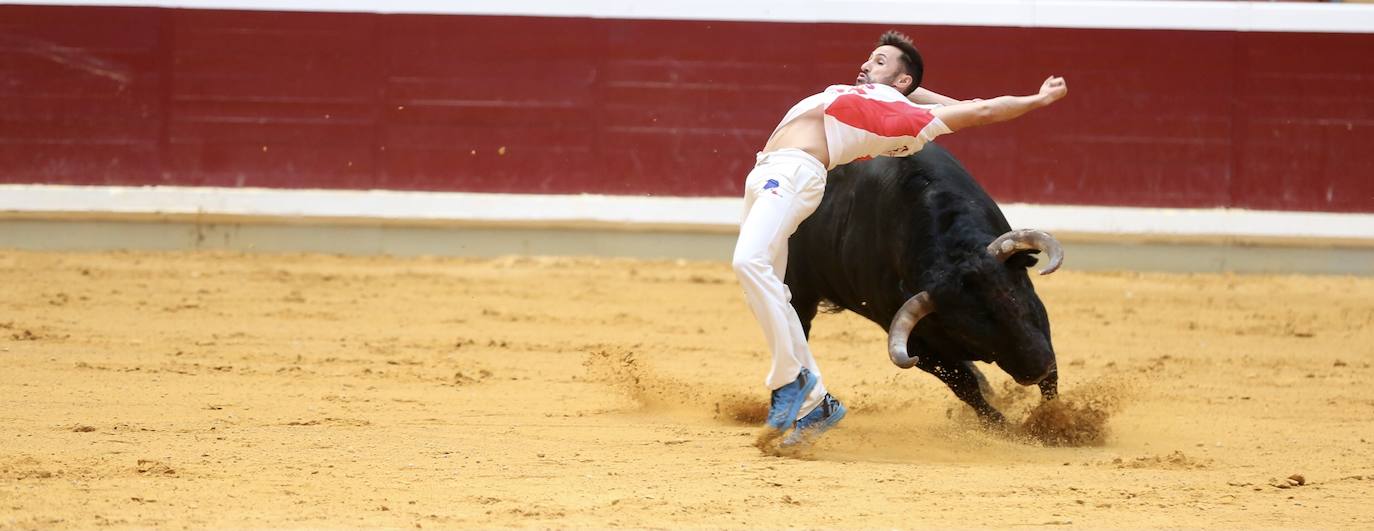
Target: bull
[915,245]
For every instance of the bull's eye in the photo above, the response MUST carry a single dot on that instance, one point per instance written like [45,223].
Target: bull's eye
[1022,260]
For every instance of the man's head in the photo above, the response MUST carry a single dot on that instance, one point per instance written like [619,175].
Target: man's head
[894,62]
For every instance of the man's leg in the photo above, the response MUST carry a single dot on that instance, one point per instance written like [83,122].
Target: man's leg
[797,335]
[778,197]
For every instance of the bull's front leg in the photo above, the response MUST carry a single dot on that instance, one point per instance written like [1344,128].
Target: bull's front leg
[1049,387]
[961,378]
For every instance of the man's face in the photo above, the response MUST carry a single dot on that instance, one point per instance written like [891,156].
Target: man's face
[884,66]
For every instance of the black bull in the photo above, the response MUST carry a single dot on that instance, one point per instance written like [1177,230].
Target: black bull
[915,245]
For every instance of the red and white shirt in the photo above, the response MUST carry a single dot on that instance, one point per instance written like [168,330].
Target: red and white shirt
[865,121]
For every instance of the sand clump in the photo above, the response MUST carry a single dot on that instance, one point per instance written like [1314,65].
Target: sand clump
[149,467]
[1175,460]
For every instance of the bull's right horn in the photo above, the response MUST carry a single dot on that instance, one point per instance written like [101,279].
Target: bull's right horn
[915,308]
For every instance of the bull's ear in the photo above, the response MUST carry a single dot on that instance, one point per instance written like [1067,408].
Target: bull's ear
[1024,259]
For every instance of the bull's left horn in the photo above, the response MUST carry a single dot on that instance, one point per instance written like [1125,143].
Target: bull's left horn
[1024,239]
[915,308]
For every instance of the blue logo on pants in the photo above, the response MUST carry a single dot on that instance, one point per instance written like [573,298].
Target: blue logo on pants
[771,184]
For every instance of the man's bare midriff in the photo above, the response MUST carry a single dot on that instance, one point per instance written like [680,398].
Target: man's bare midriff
[806,132]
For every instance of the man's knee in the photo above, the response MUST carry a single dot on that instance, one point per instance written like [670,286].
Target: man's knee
[740,263]
[748,265]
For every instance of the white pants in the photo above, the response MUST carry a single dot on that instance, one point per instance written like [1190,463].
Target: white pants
[783,189]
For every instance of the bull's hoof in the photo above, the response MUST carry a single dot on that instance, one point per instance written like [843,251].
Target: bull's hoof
[992,420]
[1049,387]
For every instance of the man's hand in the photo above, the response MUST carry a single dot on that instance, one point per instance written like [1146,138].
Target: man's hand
[1053,89]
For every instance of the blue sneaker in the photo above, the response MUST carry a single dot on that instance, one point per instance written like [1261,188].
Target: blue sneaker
[809,428]
[786,402]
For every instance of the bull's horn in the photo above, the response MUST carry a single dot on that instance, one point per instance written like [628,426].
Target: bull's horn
[1020,240]
[903,323]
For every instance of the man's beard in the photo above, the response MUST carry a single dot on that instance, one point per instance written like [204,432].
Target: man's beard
[865,79]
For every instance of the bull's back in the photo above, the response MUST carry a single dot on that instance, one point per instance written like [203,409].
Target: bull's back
[876,217]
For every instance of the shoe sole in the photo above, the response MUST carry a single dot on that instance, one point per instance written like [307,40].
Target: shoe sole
[811,433]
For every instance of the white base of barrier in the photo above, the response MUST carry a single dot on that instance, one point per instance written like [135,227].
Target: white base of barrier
[623,212]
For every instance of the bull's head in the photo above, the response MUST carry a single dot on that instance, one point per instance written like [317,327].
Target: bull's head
[990,309]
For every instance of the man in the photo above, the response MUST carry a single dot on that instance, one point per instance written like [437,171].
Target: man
[878,116]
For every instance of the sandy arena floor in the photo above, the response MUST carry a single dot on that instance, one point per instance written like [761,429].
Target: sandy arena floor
[227,390]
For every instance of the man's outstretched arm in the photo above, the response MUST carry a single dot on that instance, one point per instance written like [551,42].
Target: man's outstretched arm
[926,97]
[1002,108]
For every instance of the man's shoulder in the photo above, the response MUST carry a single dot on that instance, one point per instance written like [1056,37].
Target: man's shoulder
[873,92]
[869,89]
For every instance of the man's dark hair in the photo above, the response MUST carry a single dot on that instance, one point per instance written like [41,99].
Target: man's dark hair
[911,59]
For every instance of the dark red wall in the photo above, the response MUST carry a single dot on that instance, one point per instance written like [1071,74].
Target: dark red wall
[135,96]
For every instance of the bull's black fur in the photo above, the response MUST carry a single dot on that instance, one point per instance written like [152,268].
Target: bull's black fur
[889,228]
